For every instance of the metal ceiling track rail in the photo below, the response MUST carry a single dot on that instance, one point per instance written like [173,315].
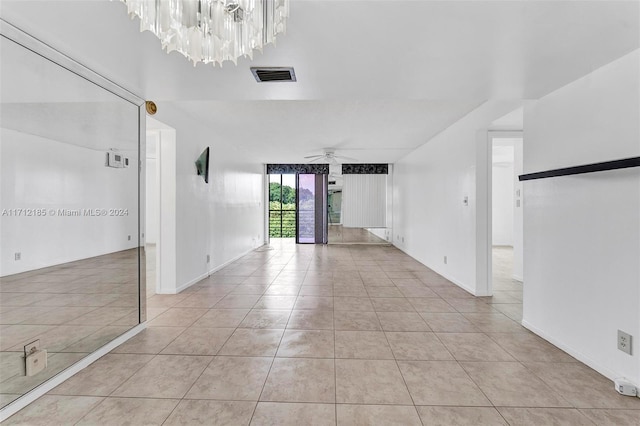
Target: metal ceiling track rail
[587,168]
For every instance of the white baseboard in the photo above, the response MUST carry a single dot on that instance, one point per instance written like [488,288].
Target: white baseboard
[26,399]
[576,354]
[216,269]
[450,278]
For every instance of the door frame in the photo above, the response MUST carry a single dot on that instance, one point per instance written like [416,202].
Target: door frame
[491,135]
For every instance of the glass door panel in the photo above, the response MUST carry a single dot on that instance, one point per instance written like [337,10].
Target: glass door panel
[282,206]
[312,209]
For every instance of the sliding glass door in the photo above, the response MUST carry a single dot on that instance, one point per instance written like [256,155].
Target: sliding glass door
[311,211]
[282,206]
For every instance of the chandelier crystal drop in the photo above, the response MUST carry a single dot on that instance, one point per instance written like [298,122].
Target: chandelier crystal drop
[212,30]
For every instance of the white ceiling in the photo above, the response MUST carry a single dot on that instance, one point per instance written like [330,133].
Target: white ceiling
[375,78]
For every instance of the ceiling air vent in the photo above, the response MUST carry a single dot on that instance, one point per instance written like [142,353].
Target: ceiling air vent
[265,74]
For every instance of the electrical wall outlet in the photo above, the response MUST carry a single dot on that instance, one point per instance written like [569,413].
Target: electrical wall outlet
[30,348]
[35,359]
[624,342]
[208,258]
[445,260]
[35,362]
[18,256]
[128,237]
[624,387]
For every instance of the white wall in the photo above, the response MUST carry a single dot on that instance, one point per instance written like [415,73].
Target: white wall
[224,218]
[502,204]
[39,173]
[430,219]
[364,201]
[582,232]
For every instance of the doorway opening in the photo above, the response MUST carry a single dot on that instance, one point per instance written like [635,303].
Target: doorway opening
[506,236]
[297,207]
[160,208]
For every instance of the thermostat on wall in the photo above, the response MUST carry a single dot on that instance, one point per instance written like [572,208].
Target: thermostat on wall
[116,160]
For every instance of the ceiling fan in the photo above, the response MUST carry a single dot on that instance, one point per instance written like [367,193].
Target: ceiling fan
[329,156]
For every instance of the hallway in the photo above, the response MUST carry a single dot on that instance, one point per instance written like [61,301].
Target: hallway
[349,335]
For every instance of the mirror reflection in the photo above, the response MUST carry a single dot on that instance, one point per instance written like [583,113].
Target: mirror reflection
[358,209]
[69,269]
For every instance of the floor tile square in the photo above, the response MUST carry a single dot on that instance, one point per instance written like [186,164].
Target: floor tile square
[266,318]
[384,292]
[219,413]
[392,304]
[300,380]
[199,341]
[427,305]
[237,301]
[527,347]
[316,290]
[352,304]
[416,346]
[370,382]
[363,321]
[314,302]
[138,411]
[152,340]
[402,321]
[449,323]
[165,376]
[223,318]
[307,344]
[474,347]
[103,376]
[362,345]
[441,383]
[252,342]
[311,320]
[494,322]
[232,378]
[509,384]
[613,417]
[276,302]
[290,414]
[378,415]
[177,317]
[543,416]
[476,416]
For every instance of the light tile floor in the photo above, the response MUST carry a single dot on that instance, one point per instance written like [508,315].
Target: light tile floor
[338,234]
[325,335]
[72,309]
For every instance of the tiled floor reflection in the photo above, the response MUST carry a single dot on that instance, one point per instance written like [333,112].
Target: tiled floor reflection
[339,234]
[325,335]
[73,309]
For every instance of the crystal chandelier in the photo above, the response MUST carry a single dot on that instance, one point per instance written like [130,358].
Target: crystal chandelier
[212,30]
